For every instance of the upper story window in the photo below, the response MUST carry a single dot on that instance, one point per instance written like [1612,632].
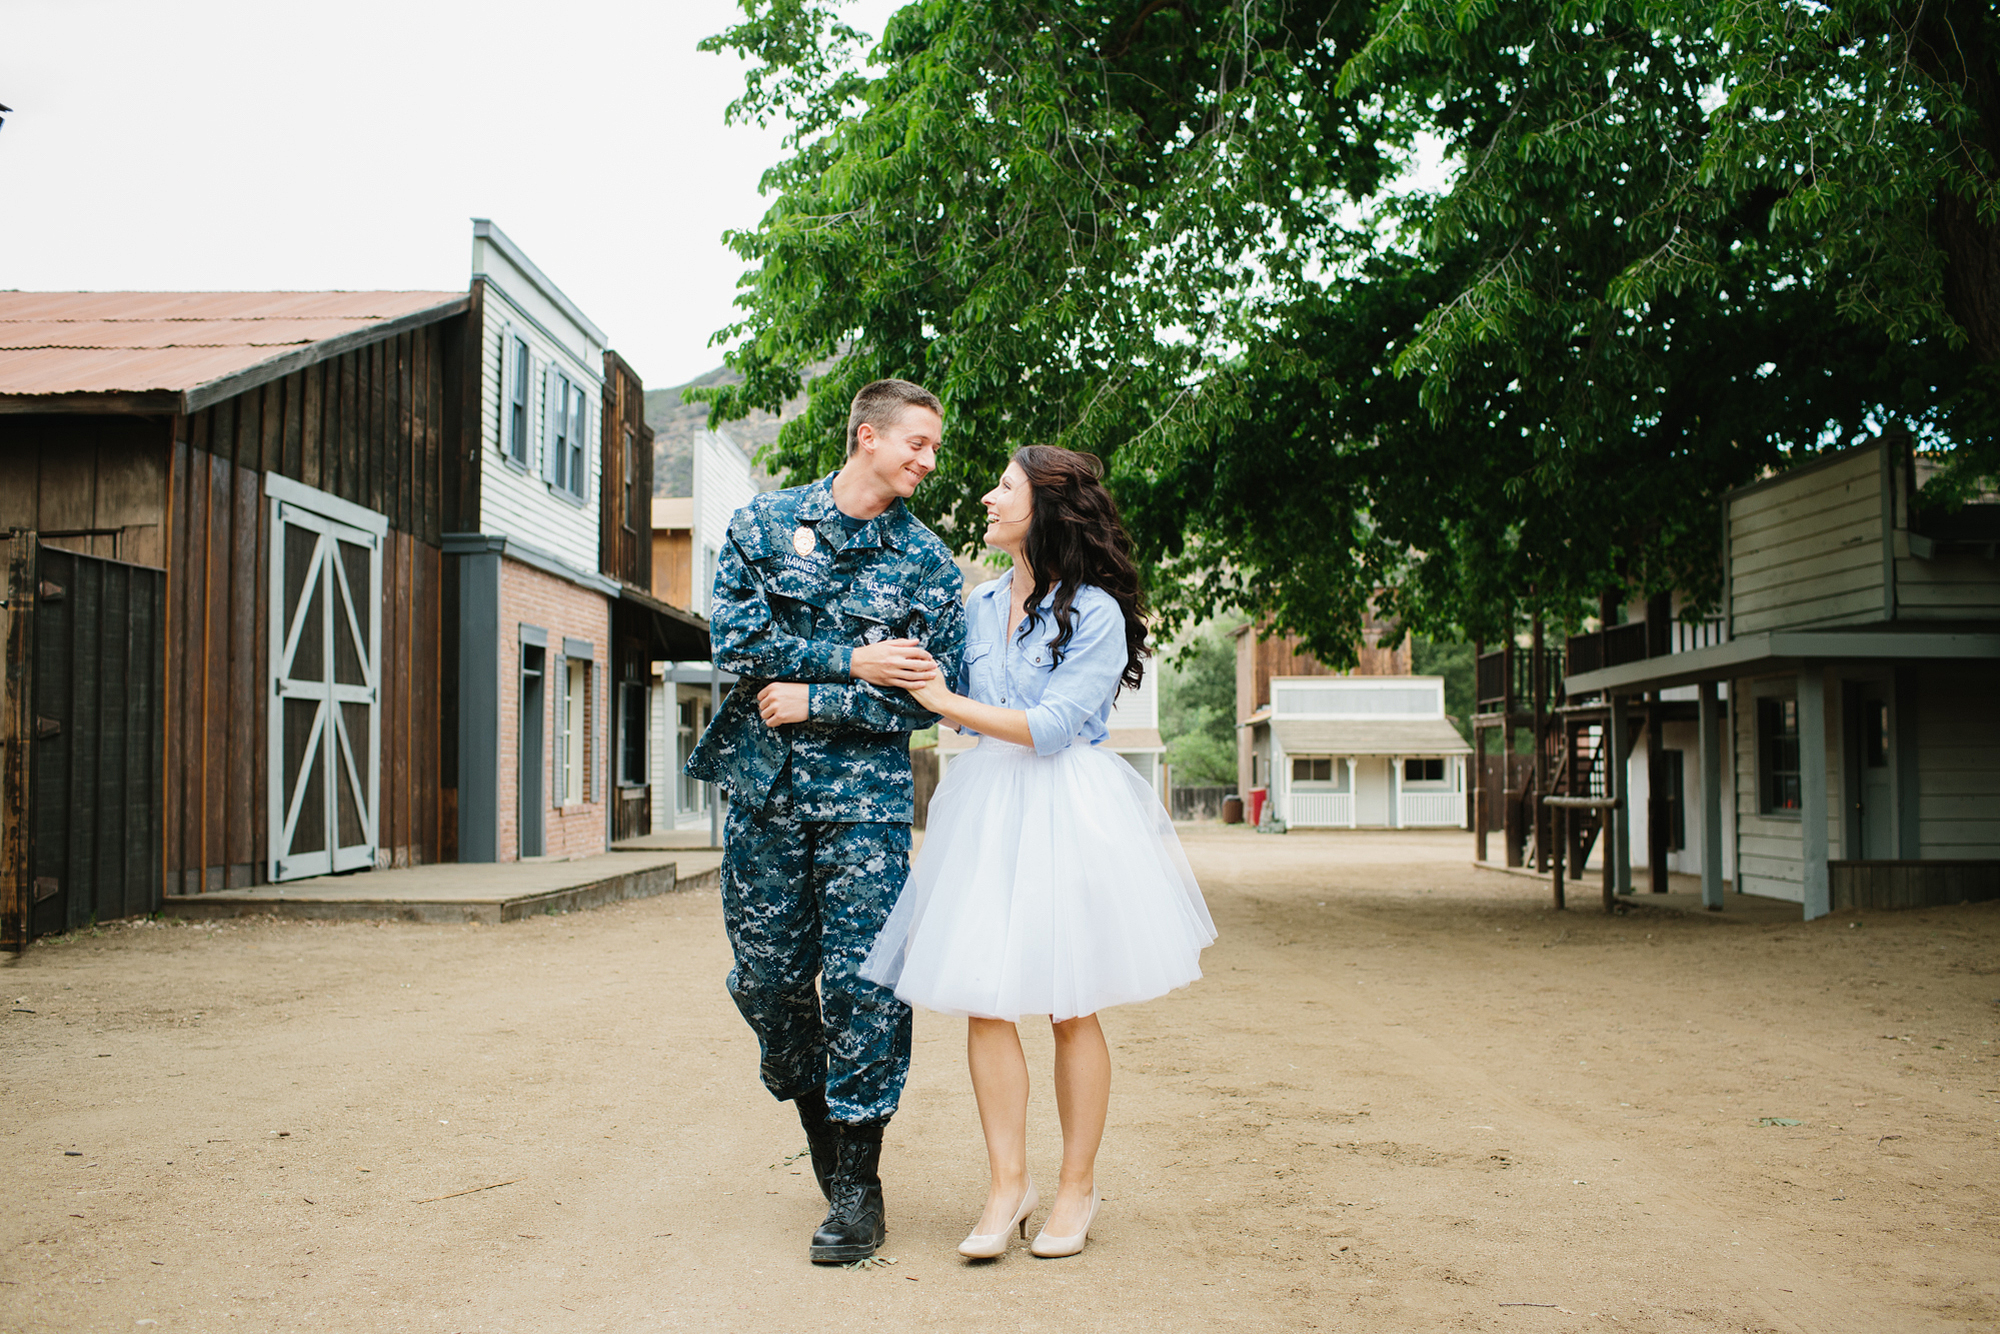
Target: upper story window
[633,519]
[516,380]
[1777,754]
[568,435]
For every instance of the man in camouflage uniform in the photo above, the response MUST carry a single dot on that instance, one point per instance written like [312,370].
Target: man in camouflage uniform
[829,599]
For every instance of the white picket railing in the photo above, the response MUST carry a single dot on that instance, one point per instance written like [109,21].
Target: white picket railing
[1432,809]
[1321,809]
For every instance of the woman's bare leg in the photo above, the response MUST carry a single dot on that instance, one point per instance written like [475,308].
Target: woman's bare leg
[1083,1098]
[1000,1083]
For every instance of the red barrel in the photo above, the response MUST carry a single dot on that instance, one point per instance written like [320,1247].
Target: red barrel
[1257,798]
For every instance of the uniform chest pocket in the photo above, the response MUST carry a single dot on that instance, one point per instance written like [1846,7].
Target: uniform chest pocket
[786,579]
[873,615]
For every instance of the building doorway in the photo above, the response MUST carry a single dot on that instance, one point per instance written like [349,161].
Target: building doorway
[533,839]
[1870,740]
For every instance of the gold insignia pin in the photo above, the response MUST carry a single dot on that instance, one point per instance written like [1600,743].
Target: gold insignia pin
[803,541]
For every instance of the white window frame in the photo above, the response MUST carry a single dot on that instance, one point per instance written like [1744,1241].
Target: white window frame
[566,436]
[517,396]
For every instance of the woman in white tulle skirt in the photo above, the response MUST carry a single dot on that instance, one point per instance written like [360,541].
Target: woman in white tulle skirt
[1050,880]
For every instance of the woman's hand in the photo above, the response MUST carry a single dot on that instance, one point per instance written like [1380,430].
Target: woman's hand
[933,693]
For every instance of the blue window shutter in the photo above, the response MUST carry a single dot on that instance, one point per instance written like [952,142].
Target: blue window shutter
[586,437]
[560,678]
[506,405]
[552,406]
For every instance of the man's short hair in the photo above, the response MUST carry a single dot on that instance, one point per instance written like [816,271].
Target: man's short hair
[881,405]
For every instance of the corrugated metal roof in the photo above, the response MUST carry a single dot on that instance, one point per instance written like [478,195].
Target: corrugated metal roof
[147,342]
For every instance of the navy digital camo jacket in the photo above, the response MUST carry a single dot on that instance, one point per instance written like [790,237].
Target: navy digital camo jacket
[795,594]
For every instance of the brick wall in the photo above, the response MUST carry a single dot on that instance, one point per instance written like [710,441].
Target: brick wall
[528,596]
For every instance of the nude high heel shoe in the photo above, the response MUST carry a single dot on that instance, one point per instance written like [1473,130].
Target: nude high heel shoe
[992,1245]
[1050,1248]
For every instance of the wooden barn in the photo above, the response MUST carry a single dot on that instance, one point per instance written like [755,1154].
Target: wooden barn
[249,492]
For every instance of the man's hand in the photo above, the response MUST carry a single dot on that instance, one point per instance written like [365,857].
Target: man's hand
[898,664]
[784,702]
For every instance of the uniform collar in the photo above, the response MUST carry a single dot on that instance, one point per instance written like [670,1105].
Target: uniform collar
[884,530]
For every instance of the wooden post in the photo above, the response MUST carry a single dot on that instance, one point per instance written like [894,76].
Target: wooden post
[1478,789]
[1657,803]
[1510,798]
[1617,835]
[1812,792]
[17,731]
[1537,671]
[1558,820]
[1711,797]
[1610,886]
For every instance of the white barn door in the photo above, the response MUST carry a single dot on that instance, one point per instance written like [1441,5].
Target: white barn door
[325,727]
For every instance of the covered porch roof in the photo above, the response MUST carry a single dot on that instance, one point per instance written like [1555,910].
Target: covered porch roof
[1782,650]
[1357,736]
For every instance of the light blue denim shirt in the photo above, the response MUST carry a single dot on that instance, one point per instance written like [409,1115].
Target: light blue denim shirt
[1066,702]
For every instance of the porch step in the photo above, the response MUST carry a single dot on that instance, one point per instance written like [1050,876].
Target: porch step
[464,892]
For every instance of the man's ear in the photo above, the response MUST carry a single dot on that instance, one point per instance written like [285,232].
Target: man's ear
[864,437]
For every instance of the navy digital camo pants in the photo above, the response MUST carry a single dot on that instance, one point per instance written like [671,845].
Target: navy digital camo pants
[803,902]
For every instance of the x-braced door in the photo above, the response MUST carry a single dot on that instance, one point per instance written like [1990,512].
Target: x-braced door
[326,621]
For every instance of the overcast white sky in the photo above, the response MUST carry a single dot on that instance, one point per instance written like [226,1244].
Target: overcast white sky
[265,144]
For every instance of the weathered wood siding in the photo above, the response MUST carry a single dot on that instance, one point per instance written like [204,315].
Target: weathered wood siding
[673,566]
[1806,550]
[1958,760]
[370,427]
[96,679]
[1769,848]
[95,485]
[625,509]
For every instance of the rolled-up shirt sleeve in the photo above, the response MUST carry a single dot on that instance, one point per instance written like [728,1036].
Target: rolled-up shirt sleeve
[1086,678]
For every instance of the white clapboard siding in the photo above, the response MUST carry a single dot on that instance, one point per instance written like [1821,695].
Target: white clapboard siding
[1141,707]
[1958,761]
[517,502]
[1770,848]
[660,752]
[1954,587]
[723,484]
[1807,551]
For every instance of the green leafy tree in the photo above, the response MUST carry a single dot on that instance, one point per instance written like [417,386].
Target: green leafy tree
[1189,236]
[1198,709]
[1454,661]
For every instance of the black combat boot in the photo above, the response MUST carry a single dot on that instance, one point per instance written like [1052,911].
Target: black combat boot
[822,1137]
[857,1224]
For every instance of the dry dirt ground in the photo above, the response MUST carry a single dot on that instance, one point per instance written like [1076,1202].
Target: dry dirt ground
[1407,1096]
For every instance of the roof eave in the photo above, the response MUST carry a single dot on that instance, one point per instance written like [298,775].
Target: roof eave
[312,354]
[148,402]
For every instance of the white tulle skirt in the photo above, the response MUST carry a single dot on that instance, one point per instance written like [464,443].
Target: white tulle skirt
[1044,886]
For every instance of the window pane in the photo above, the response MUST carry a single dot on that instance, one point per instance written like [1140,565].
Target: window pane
[1778,753]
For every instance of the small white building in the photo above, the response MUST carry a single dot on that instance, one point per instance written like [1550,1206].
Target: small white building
[688,533]
[1364,752]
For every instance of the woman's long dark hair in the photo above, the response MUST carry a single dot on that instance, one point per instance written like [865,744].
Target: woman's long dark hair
[1074,539]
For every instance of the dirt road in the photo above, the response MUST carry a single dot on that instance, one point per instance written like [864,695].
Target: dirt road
[1406,1097]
